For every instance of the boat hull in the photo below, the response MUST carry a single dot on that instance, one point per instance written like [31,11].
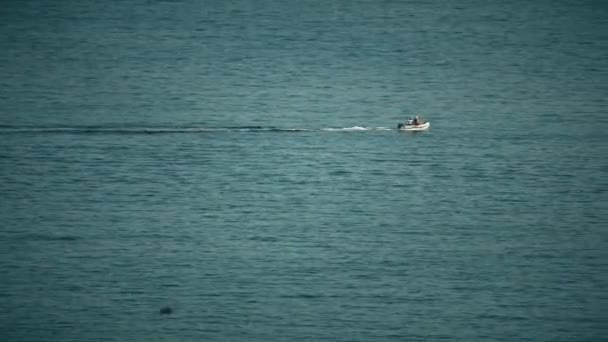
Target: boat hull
[422,127]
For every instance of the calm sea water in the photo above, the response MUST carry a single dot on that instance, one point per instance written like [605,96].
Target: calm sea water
[238,162]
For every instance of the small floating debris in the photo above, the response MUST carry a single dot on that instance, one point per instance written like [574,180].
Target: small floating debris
[166,310]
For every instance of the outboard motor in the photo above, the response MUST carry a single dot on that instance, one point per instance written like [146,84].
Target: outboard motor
[400,125]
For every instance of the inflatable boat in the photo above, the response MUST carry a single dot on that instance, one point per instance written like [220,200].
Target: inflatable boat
[409,126]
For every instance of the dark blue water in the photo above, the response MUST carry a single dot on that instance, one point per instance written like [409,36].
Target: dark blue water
[238,162]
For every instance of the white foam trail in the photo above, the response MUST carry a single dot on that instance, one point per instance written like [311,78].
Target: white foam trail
[356,129]
[184,129]
[346,129]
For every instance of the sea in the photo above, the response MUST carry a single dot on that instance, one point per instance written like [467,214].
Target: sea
[231,170]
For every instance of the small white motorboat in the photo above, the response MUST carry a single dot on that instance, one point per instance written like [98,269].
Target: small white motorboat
[409,126]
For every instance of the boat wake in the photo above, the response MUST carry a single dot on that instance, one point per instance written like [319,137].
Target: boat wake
[356,129]
[109,129]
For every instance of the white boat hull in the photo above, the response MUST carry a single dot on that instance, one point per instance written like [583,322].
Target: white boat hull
[422,127]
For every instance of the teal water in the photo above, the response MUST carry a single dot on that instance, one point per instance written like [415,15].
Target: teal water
[239,162]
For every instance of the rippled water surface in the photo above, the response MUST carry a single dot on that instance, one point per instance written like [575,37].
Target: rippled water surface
[239,163]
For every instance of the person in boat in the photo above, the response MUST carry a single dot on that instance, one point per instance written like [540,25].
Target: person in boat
[417,121]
